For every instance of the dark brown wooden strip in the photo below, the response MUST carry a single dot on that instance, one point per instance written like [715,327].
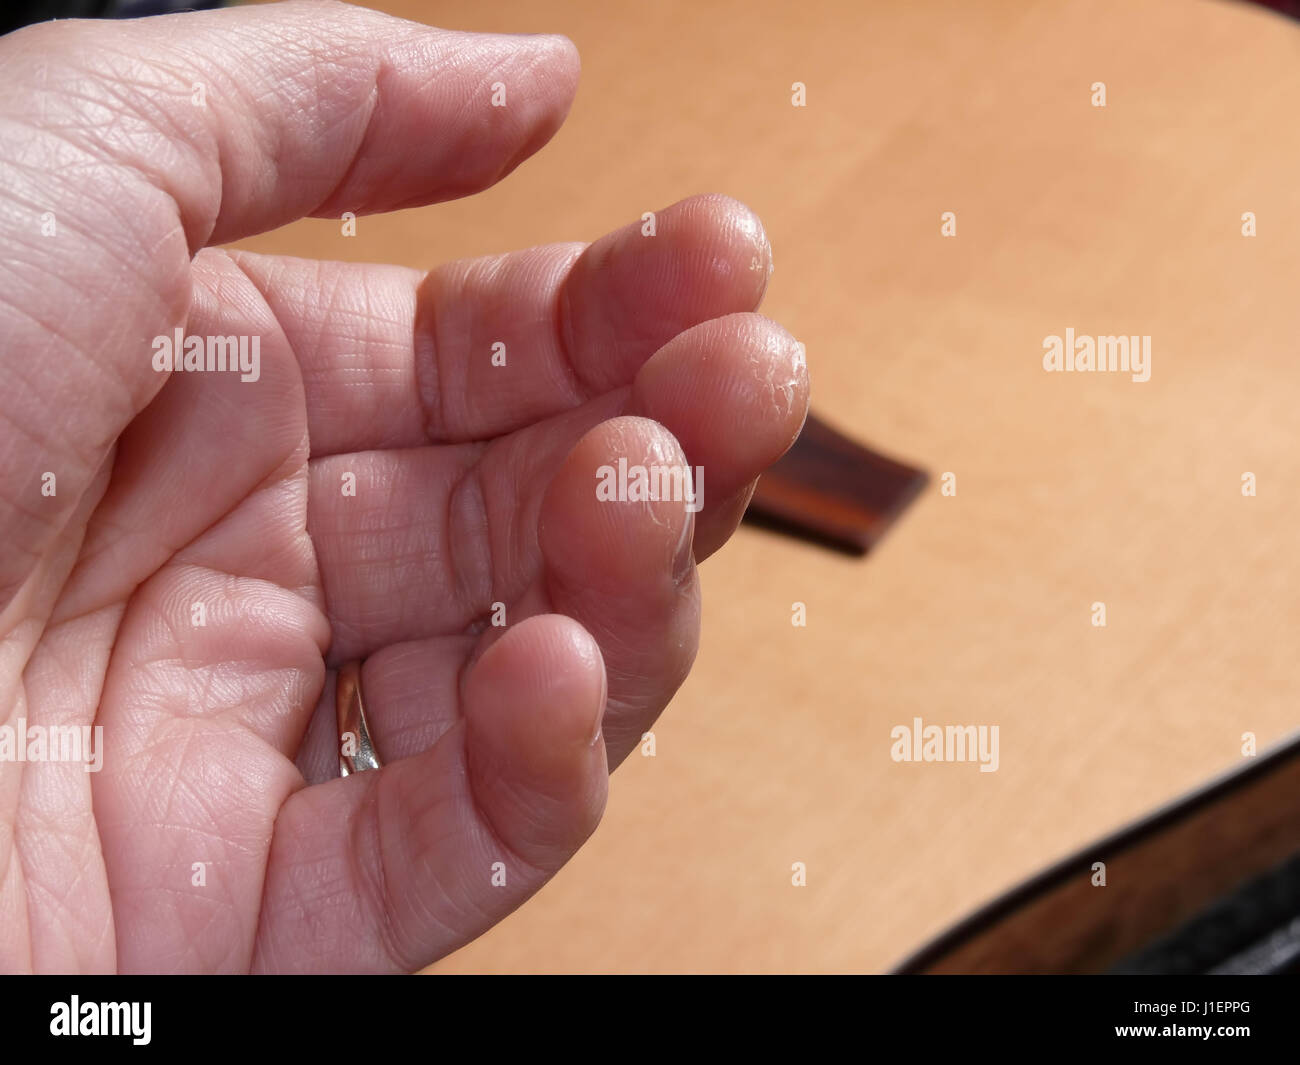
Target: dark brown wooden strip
[831,490]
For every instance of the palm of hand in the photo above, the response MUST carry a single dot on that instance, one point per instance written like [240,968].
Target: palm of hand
[216,547]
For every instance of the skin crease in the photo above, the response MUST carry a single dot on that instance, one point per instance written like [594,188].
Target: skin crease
[475,485]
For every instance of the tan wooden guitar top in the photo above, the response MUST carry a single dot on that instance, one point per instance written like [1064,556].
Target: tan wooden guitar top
[1071,488]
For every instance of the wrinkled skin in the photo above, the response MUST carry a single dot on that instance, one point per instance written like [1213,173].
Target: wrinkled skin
[474,485]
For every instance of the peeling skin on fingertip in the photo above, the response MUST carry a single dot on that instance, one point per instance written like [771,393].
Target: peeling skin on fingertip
[783,368]
[748,224]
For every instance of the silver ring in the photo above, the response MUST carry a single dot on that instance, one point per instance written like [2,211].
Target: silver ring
[356,749]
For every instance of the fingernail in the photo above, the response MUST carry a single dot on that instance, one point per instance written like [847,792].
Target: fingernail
[685,553]
[598,725]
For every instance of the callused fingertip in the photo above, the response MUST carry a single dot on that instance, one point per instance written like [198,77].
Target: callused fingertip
[751,226]
[730,233]
[672,491]
[614,512]
[783,367]
[746,230]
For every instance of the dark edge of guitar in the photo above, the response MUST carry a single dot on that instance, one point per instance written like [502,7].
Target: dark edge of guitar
[1081,861]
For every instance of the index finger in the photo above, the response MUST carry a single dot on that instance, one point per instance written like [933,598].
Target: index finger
[149,139]
[254,117]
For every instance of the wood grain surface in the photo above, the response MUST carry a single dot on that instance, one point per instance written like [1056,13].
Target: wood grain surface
[1072,488]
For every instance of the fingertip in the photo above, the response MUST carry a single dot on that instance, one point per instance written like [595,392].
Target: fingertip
[536,756]
[551,60]
[537,93]
[670,269]
[619,510]
[733,390]
[566,55]
[735,239]
[558,664]
[736,218]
